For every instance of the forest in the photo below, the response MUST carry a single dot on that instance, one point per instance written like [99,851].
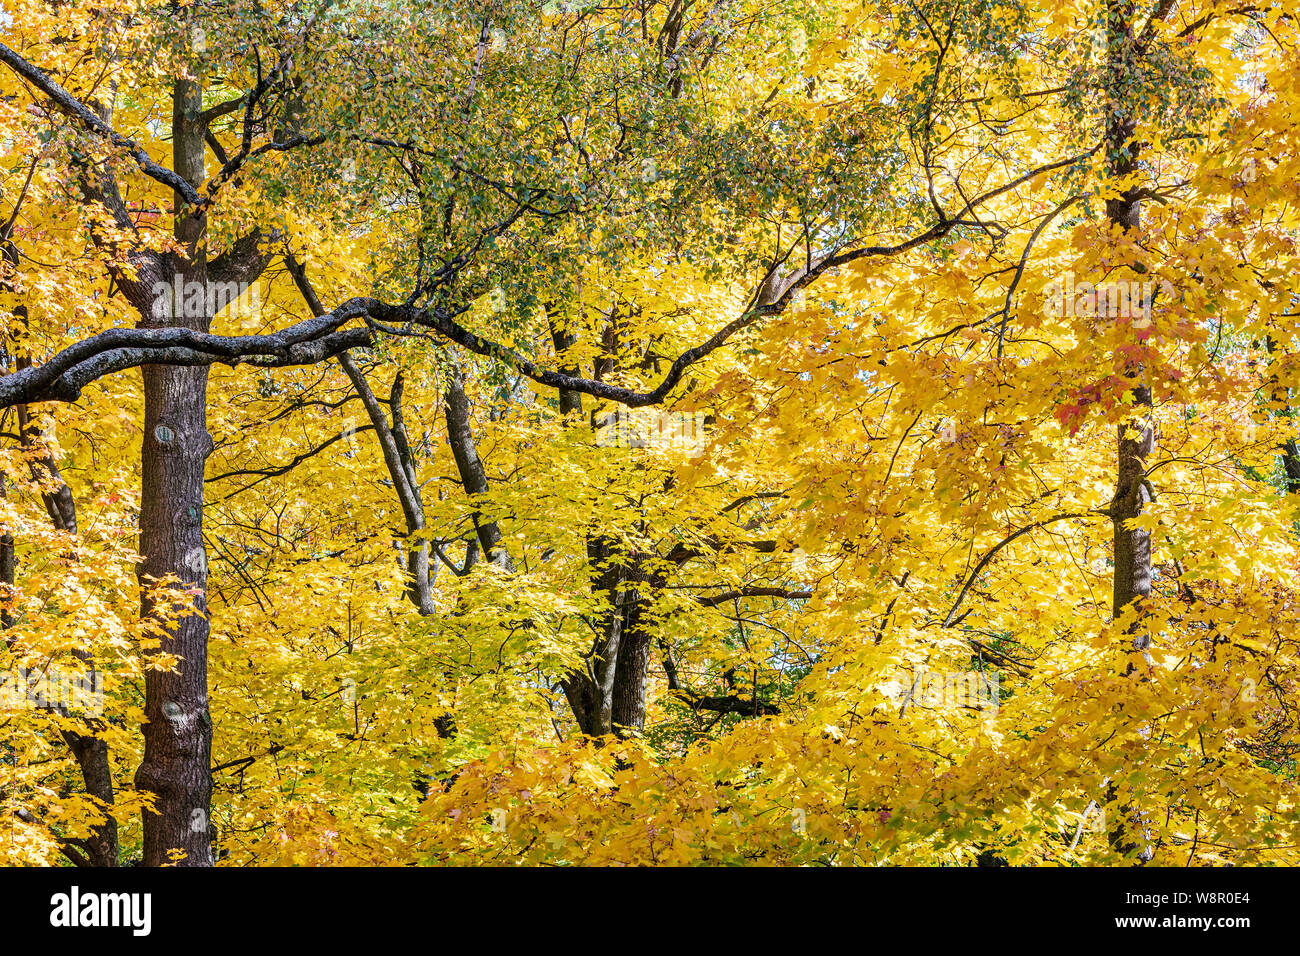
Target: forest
[649,433]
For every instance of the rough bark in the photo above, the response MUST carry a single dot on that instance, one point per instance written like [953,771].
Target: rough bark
[401,468]
[609,697]
[178,729]
[472,476]
[631,672]
[591,692]
[570,401]
[8,568]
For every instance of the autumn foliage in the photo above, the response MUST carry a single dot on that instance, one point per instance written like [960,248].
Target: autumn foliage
[656,433]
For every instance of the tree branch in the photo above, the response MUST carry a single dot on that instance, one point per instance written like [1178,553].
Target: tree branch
[70,105]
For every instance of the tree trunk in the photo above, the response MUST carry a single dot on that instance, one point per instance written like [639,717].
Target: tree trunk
[631,670]
[570,402]
[178,732]
[91,752]
[1129,833]
[8,567]
[470,467]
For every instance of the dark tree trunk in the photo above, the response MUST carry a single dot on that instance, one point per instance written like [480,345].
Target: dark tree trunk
[178,732]
[472,475]
[631,670]
[1280,397]
[570,402]
[610,698]
[7,572]
[91,752]
[92,757]
[100,847]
